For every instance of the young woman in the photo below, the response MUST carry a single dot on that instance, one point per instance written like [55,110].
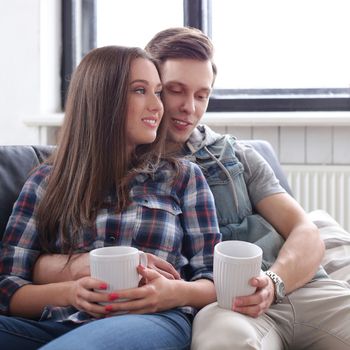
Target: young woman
[109,183]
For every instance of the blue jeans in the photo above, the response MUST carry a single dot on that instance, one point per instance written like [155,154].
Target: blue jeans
[165,330]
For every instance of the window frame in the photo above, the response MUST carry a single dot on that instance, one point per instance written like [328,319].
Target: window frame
[197,13]
[78,37]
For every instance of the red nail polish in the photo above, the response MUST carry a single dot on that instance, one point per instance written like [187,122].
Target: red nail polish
[103,286]
[113,296]
[108,308]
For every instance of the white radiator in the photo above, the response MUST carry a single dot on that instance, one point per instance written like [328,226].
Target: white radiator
[324,187]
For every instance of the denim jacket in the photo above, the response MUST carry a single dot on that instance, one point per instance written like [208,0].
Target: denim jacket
[215,154]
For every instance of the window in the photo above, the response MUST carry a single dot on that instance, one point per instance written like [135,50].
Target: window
[282,44]
[272,55]
[134,22]
[281,55]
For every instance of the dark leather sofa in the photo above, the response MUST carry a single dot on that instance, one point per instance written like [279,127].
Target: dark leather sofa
[16,162]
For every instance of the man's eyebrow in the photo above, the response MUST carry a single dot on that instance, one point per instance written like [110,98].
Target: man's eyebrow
[175,82]
[205,89]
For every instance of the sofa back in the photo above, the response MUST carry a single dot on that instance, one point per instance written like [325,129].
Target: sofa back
[16,163]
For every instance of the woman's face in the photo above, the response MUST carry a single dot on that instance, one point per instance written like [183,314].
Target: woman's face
[144,107]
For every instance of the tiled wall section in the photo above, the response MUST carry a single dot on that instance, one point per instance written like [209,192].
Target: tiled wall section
[300,144]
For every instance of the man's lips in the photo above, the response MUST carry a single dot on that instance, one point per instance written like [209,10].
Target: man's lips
[181,124]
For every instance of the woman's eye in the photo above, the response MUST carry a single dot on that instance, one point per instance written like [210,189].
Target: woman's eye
[159,93]
[140,91]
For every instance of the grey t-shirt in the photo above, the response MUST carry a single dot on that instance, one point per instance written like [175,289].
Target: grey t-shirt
[259,177]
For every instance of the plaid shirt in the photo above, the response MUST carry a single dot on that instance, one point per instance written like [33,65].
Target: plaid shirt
[175,221]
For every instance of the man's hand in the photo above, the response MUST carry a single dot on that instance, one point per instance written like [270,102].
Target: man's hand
[162,266]
[79,266]
[256,304]
[53,268]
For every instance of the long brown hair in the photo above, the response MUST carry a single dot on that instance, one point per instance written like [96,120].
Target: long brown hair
[181,42]
[91,158]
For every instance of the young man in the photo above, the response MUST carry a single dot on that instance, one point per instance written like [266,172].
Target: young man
[251,205]
[295,304]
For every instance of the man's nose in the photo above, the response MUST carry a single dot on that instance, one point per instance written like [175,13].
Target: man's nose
[189,104]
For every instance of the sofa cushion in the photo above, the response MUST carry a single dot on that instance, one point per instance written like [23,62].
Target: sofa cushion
[337,241]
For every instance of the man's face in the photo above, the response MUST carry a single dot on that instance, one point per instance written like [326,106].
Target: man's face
[187,85]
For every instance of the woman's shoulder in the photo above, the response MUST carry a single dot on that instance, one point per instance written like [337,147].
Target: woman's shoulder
[36,181]
[43,170]
[190,166]
[178,171]
[40,173]
[187,172]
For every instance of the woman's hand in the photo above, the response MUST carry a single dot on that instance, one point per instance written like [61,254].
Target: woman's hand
[256,304]
[162,266]
[157,294]
[83,296]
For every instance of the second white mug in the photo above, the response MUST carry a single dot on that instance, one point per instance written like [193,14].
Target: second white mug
[235,263]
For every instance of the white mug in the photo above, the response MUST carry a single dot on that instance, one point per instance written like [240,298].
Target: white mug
[235,263]
[117,266]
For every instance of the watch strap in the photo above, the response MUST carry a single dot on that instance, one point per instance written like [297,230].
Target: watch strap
[278,284]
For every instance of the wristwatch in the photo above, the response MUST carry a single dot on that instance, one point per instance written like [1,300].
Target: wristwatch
[280,292]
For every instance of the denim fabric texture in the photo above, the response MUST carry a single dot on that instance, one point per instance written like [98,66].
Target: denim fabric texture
[166,330]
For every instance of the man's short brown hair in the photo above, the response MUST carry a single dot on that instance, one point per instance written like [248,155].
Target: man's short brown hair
[181,42]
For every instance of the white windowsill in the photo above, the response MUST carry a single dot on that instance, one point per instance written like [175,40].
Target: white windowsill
[48,123]
[45,120]
[234,118]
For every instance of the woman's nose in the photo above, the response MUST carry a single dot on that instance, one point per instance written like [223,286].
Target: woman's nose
[155,104]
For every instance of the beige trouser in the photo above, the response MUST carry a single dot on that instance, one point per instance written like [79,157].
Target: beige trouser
[315,317]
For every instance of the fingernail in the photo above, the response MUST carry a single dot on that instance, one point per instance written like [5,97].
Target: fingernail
[103,286]
[113,296]
[141,267]
[108,308]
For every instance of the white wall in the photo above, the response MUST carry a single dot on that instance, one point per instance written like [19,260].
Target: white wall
[29,66]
